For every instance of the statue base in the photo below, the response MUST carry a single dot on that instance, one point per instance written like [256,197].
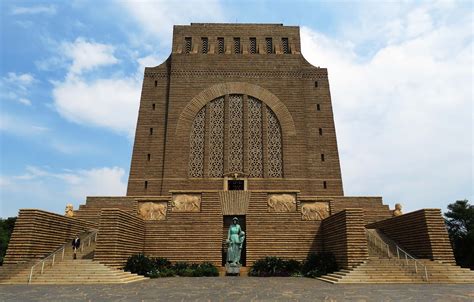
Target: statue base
[232,268]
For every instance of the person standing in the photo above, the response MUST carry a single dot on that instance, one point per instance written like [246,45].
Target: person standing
[76,243]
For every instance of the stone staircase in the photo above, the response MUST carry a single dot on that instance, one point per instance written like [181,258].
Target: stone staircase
[67,270]
[383,266]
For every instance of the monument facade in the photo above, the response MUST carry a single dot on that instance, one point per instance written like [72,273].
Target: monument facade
[236,123]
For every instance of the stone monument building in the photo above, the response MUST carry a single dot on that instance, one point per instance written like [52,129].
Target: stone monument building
[236,123]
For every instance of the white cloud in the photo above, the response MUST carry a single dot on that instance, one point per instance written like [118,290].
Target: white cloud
[51,191]
[158,17]
[24,101]
[22,81]
[109,103]
[33,10]
[88,55]
[403,116]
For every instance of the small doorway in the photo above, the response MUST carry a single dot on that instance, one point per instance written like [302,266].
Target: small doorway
[236,184]
[227,221]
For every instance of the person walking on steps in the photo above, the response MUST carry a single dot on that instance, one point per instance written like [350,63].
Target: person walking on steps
[76,243]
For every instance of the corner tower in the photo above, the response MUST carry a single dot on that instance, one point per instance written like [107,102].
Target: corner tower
[235,101]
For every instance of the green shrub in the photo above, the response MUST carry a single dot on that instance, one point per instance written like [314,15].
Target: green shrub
[320,264]
[274,267]
[162,267]
[139,264]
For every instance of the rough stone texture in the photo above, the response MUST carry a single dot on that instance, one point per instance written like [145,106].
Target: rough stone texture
[314,210]
[152,210]
[186,82]
[281,203]
[344,235]
[38,233]
[422,233]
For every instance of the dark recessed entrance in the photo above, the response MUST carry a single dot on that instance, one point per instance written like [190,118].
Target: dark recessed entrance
[235,184]
[227,222]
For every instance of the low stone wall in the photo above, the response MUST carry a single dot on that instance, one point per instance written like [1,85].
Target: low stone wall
[373,207]
[38,233]
[421,233]
[344,235]
[120,235]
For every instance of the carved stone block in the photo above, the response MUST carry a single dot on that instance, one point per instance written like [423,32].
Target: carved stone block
[314,210]
[152,210]
[281,203]
[186,203]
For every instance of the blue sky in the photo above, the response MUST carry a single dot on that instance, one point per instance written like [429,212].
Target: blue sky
[401,78]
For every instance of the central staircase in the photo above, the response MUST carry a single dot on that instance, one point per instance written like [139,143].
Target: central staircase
[388,263]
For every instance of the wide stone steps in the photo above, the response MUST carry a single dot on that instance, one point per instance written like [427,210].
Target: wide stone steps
[390,271]
[80,271]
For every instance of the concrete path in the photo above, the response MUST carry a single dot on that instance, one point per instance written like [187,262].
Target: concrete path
[237,289]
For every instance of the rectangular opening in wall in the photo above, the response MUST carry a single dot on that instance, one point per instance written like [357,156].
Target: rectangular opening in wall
[204,45]
[285,46]
[153,106]
[253,45]
[320,131]
[156,83]
[220,45]
[237,46]
[316,84]
[322,157]
[188,44]
[318,107]
[148,157]
[325,185]
[269,45]
[151,131]
[146,184]
[236,185]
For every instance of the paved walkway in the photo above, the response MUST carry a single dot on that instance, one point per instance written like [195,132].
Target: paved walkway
[237,289]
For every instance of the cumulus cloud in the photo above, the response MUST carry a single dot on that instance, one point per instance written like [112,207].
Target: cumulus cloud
[87,55]
[403,116]
[109,103]
[158,17]
[33,10]
[52,190]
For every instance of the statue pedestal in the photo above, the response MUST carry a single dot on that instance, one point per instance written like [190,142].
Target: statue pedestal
[232,269]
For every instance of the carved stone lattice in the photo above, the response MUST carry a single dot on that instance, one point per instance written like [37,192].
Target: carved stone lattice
[274,145]
[235,133]
[255,153]
[196,154]
[216,138]
[151,210]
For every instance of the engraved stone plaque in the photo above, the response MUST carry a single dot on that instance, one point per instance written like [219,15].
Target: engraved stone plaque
[314,210]
[281,203]
[152,210]
[186,203]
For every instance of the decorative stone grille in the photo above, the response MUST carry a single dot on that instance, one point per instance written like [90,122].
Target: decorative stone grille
[235,133]
[234,139]
[216,138]
[196,153]
[274,145]
[255,153]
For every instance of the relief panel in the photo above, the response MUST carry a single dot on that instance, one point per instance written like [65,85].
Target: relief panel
[314,210]
[281,203]
[152,210]
[186,203]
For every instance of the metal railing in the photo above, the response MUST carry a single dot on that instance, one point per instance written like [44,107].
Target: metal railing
[58,255]
[402,257]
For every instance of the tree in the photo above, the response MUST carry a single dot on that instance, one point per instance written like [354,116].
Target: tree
[460,223]
[6,229]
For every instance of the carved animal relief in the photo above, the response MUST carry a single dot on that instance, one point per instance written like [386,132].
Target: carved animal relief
[186,203]
[314,210]
[151,210]
[281,203]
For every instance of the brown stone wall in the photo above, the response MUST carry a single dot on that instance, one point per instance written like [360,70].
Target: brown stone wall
[421,233]
[344,235]
[38,233]
[94,204]
[288,77]
[373,207]
[188,236]
[120,235]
